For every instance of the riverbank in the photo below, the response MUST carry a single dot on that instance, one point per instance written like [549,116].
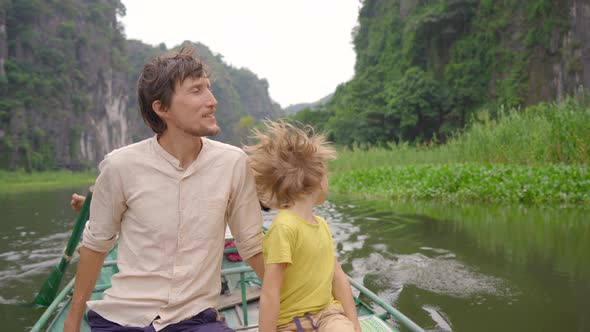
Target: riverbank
[539,155]
[19,181]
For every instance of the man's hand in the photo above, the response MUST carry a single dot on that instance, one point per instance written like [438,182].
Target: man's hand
[77,202]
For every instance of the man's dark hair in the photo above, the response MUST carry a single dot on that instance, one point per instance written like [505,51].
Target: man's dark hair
[158,79]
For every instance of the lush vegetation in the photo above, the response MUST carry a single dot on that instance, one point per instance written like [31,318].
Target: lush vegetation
[53,53]
[20,180]
[67,85]
[425,68]
[541,134]
[469,182]
[534,156]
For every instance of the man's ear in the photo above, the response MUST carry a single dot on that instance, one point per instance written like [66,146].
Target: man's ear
[159,108]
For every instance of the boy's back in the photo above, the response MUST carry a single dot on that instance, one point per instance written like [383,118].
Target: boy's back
[309,251]
[304,286]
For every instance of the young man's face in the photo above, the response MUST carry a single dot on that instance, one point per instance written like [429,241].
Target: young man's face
[192,108]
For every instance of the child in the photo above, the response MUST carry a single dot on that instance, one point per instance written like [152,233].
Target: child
[304,287]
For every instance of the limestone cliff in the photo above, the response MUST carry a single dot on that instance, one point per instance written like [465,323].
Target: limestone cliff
[67,84]
[425,67]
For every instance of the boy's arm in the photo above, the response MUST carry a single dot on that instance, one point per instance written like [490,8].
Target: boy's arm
[342,292]
[270,299]
[88,270]
[106,212]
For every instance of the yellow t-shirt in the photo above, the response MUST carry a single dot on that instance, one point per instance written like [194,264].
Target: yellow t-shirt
[309,251]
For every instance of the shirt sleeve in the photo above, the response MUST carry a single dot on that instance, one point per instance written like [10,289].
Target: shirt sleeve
[277,245]
[106,209]
[326,227]
[244,217]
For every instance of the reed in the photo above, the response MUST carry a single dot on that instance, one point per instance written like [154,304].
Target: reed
[543,134]
[539,155]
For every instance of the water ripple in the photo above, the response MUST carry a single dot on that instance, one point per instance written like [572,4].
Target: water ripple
[439,274]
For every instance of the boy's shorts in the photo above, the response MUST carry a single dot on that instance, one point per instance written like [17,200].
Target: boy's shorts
[329,319]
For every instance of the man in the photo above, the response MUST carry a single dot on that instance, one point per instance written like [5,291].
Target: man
[168,198]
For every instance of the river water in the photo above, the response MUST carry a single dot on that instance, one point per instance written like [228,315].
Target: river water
[447,267]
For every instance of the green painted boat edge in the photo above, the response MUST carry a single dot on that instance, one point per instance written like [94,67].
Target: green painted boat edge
[109,268]
[370,318]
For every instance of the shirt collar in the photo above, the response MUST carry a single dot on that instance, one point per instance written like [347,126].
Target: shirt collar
[170,158]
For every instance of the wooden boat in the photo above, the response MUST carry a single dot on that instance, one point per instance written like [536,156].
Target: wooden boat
[238,303]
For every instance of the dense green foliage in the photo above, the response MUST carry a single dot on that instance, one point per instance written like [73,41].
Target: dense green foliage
[541,134]
[67,85]
[425,68]
[49,70]
[469,182]
[519,158]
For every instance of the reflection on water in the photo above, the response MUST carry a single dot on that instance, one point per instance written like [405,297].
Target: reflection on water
[472,267]
[441,275]
[459,268]
[35,229]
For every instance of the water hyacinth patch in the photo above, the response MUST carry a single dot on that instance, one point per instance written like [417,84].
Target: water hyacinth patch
[504,183]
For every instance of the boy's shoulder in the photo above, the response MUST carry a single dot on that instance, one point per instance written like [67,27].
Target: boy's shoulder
[286,220]
[320,219]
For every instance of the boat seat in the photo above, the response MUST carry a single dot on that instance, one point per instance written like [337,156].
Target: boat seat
[373,323]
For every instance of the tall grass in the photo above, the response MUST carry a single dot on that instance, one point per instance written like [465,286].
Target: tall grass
[545,133]
[542,134]
[539,155]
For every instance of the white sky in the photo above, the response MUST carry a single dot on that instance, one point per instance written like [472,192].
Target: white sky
[302,47]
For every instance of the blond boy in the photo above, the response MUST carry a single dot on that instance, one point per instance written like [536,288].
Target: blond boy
[304,287]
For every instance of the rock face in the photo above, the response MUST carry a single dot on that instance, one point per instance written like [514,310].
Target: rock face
[425,68]
[63,86]
[3,50]
[563,66]
[67,84]
[539,47]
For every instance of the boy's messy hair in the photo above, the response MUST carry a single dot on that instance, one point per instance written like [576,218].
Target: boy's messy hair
[288,162]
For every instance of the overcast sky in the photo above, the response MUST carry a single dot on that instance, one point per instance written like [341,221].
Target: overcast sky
[302,47]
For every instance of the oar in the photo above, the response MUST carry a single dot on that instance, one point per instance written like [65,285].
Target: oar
[49,290]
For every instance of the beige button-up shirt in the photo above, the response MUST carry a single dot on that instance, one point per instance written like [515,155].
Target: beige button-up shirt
[171,224]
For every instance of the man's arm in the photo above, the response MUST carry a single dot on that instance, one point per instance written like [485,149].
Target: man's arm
[89,267]
[106,211]
[270,299]
[244,217]
[342,292]
[256,262]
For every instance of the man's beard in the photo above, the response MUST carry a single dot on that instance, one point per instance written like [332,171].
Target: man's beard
[198,132]
[202,132]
